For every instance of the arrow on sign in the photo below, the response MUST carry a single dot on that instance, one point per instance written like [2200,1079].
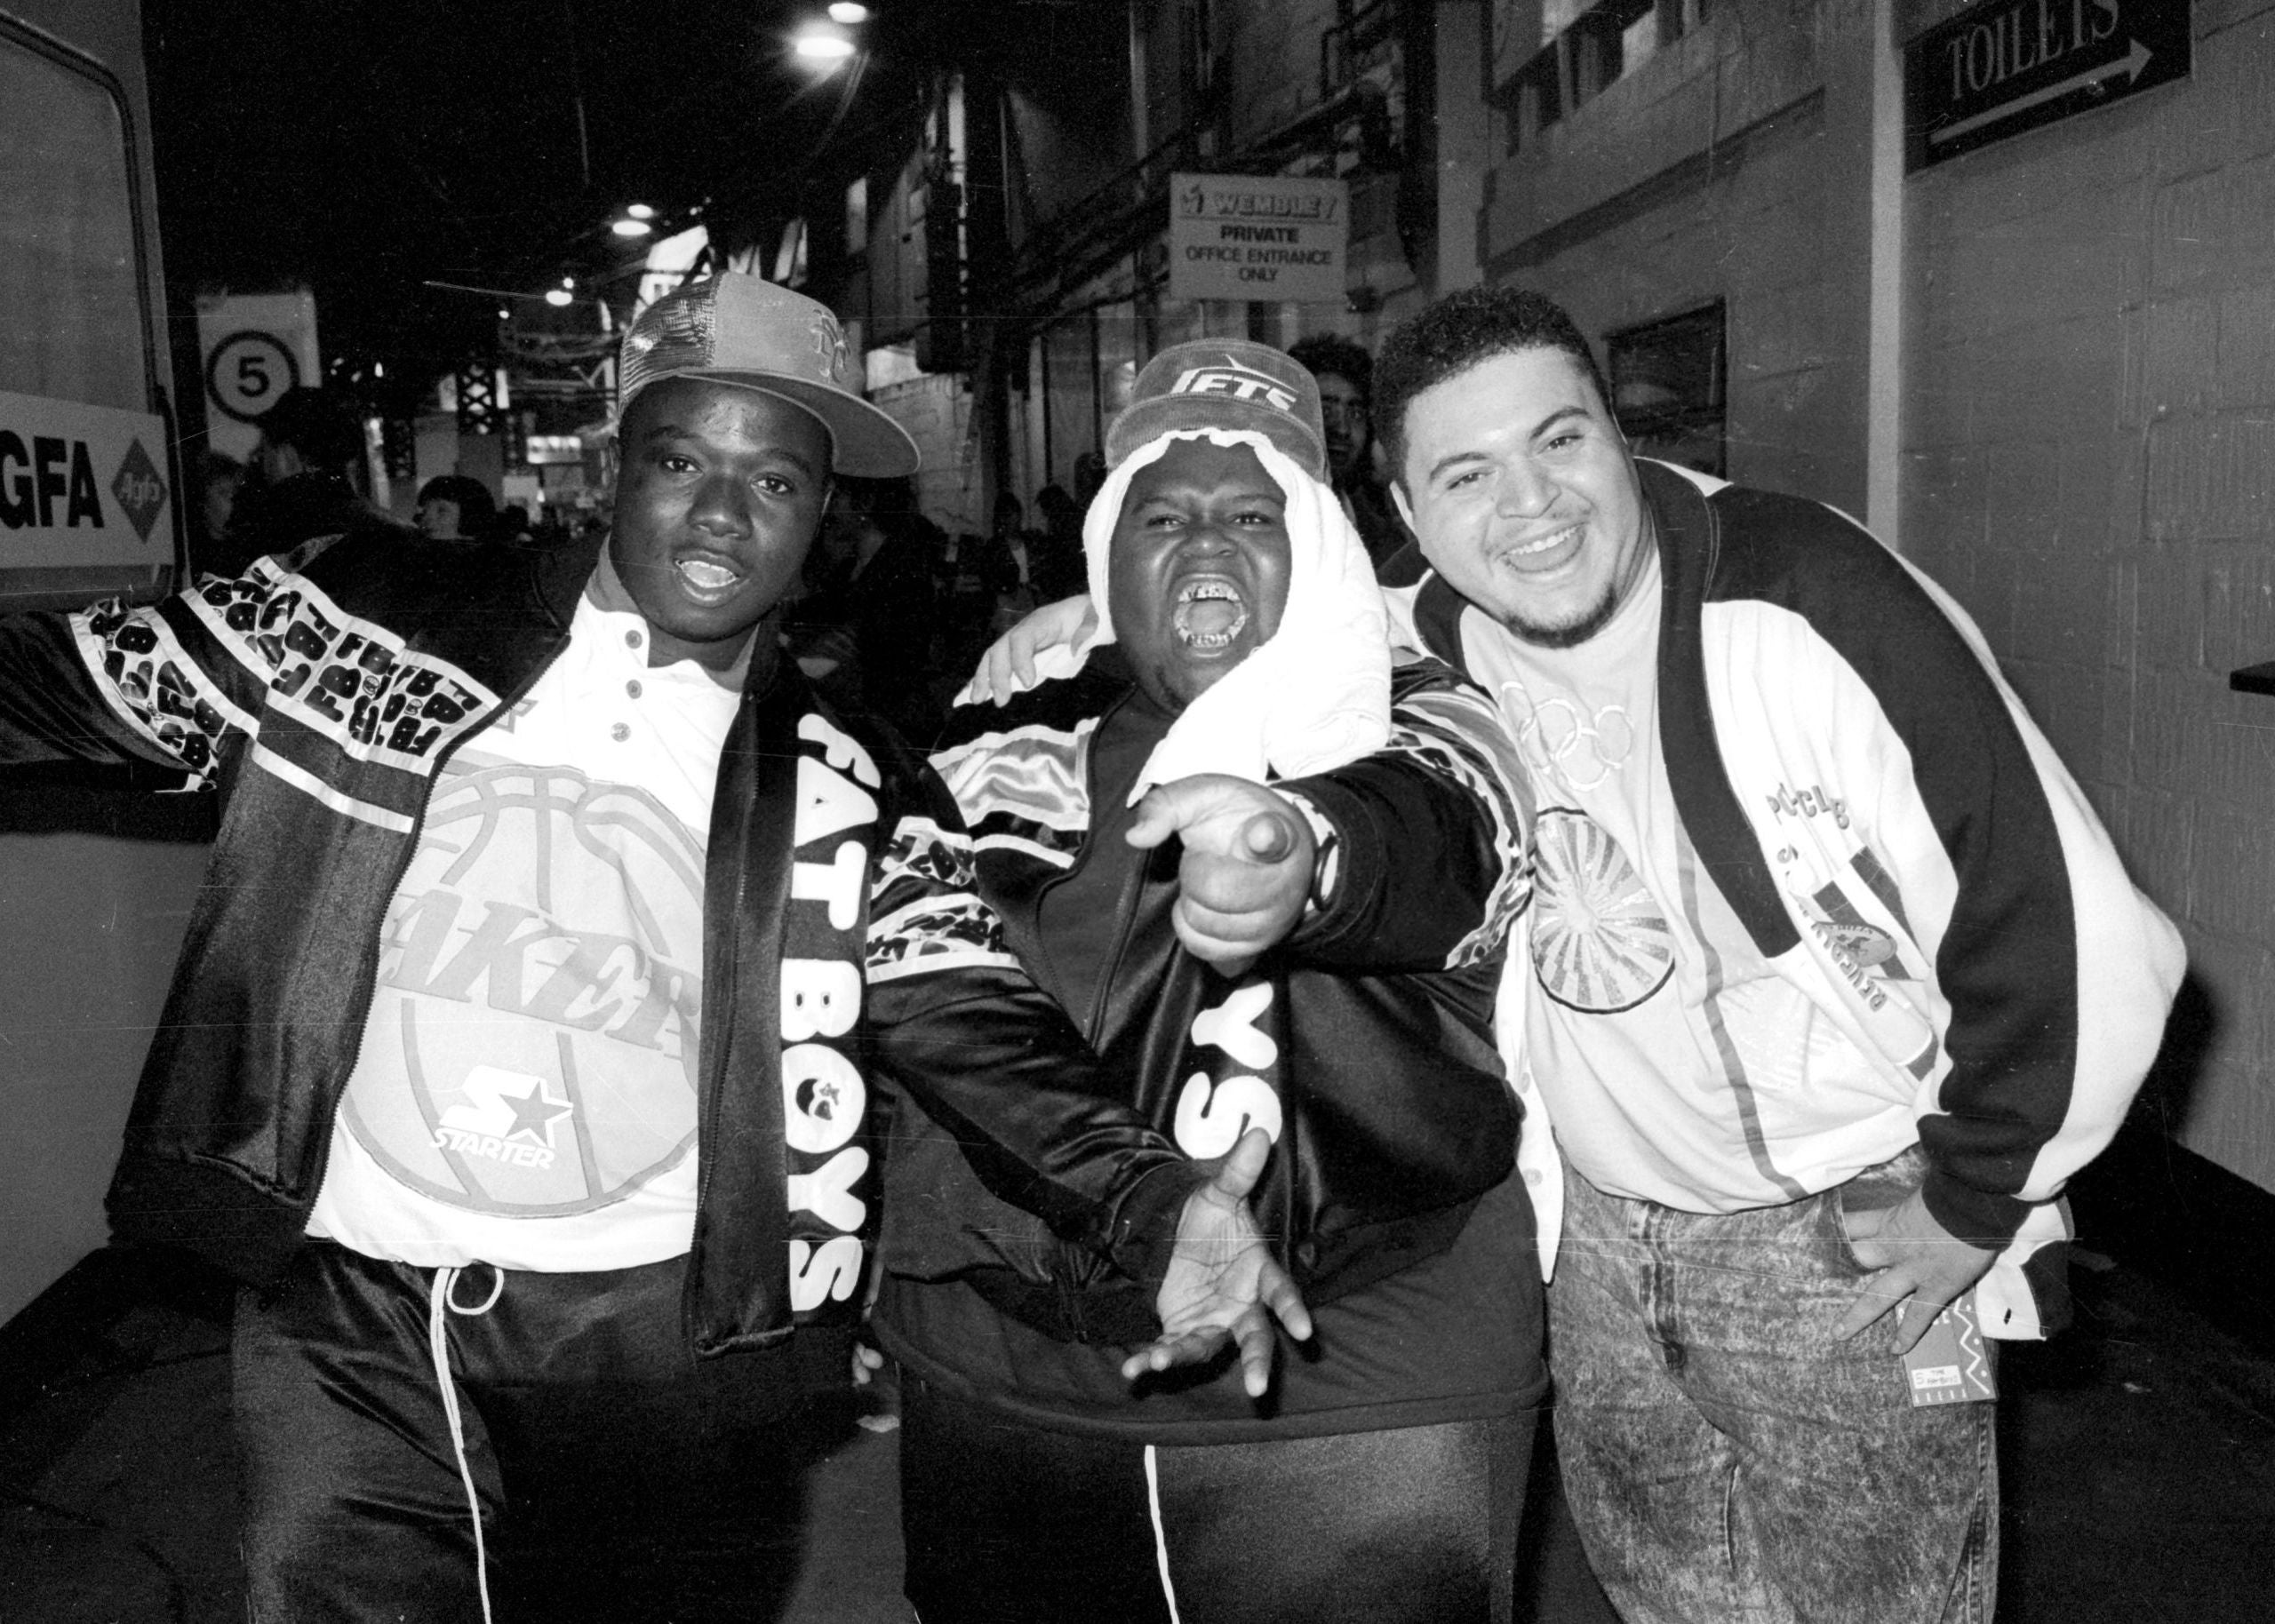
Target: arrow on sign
[2130,64]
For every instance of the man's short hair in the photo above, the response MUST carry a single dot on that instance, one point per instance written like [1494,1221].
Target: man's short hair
[477,508]
[319,424]
[1456,334]
[1326,352]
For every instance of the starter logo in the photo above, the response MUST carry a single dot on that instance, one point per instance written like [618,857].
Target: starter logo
[508,1118]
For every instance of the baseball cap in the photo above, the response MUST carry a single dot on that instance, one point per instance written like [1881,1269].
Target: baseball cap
[1224,383]
[735,328]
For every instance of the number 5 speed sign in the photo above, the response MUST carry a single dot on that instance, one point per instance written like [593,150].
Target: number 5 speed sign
[247,371]
[256,347]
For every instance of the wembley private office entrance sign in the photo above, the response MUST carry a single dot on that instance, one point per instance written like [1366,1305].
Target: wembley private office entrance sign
[1258,237]
[1998,70]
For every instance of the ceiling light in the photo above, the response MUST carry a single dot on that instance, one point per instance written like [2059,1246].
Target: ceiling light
[822,44]
[559,297]
[640,211]
[848,11]
[630,228]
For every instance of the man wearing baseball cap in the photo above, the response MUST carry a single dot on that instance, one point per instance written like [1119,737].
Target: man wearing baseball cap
[514,1057]
[1041,1268]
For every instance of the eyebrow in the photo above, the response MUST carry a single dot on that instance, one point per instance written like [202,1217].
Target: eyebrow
[1539,428]
[665,431]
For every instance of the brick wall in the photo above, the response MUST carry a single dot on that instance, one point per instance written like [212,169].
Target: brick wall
[2087,427]
[1715,170]
[2089,448]
[1273,46]
[937,412]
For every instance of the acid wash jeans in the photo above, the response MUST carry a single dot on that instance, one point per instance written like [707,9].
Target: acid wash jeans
[1726,1457]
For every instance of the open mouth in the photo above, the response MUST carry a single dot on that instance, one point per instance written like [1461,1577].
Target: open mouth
[706,577]
[1533,549]
[1207,616]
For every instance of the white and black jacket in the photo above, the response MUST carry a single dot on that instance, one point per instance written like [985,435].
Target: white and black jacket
[1846,763]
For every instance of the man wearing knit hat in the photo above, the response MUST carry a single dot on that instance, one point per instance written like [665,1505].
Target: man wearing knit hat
[1053,1465]
[513,1060]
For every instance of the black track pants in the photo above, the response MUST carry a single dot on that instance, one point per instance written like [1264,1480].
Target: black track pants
[605,1493]
[1007,1524]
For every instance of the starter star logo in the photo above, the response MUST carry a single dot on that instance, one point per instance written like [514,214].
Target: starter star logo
[508,1117]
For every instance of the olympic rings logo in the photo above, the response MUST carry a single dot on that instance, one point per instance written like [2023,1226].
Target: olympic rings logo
[1562,742]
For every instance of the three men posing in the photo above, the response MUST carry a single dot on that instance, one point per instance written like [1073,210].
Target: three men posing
[1832,973]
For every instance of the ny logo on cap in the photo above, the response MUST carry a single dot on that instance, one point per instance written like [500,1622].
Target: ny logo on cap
[829,346]
[1241,383]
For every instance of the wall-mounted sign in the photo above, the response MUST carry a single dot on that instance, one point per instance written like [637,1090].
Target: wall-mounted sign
[80,486]
[1258,237]
[1998,70]
[256,347]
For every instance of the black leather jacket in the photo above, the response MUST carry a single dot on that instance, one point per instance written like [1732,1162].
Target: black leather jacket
[322,692]
[1370,1029]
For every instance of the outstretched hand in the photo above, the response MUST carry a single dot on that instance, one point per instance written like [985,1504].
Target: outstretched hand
[1222,1282]
[1008,667]
[1247,866]
[1920,1265]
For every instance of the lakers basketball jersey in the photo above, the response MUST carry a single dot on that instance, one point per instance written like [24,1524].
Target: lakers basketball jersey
[525,1094]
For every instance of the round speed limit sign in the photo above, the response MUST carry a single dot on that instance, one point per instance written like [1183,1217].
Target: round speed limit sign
[246,373]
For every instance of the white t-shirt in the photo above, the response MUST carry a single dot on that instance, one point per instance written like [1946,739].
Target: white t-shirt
[1675,1060]
[525,1094]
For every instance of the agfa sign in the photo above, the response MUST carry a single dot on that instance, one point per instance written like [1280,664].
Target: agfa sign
[80,485]
[1258,237]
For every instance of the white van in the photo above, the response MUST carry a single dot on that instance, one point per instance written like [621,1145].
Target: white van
[96,878]
[88,476]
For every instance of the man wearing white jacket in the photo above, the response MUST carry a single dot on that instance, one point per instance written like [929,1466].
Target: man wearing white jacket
[1835,981]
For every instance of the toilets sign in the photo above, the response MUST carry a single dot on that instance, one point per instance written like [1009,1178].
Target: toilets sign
[1997,69]
[1258,237]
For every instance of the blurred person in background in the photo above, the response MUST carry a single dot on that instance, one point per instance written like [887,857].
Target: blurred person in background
[308,478]
[512,527]
[455,507]
[870,612]
[1061,572]
[1346,401]
[218,477]
[1010,561]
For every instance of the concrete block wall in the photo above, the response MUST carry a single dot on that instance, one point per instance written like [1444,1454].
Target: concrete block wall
[1619,212]
[936,410]
[2088,439]
[1273,51]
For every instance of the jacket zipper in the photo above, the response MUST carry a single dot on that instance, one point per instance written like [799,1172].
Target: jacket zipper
[1125,923]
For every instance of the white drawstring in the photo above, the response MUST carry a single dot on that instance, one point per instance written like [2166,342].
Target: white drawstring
[439,1307]
[1160,1536]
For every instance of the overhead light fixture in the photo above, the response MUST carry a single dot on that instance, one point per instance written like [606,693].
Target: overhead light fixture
[822,43]
[630,228]
[640,211]
[559,298]
[848,11]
